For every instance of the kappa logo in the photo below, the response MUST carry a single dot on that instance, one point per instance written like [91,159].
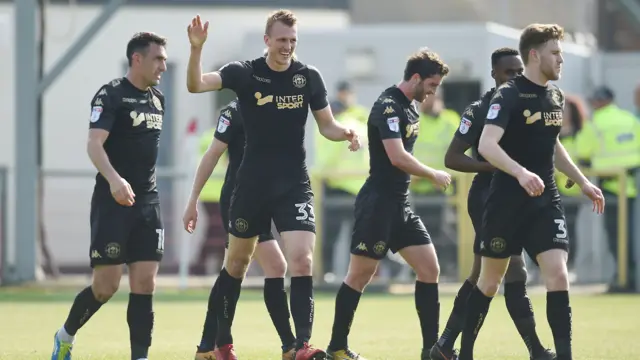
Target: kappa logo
[362,247]
[388,110]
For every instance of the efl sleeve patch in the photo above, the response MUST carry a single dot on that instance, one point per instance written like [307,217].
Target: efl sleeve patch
[394,123]
[465,125]
[494,110]
[96,112]
[223,124]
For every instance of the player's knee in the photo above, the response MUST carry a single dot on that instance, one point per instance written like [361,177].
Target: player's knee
[275,267]
[301,264]
[557,280]
[237,264]
[142,283]
[475,271]
[106,281]
[103,289]
[517,270]
[360,273]
[428,271]
[489,282]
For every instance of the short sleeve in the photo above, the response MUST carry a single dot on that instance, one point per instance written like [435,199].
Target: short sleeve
[319,99]
[502,105]
[103,109]
[233,75]
[387,119]
[471,124]
[229,124]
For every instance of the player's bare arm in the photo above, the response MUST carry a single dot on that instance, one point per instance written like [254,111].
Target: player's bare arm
[205,169]
[333,130]
[565,165]
[120,188]
[406,162]
[198,82]
[456,159]
[490,149]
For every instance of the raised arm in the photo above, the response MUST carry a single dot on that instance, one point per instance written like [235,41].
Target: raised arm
[228,76]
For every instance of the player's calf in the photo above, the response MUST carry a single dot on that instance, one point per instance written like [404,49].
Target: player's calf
[423,260]
[554,271]
[443,349]
[106,280]
[140,315]
[520,308]
[359,275]
[299,247]
[491,274]
[274,265]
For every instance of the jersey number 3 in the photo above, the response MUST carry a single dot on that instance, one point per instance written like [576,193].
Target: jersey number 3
[562,228]
[305,211]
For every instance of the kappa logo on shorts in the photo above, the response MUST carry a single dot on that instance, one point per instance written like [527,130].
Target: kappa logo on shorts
[112,250]
[362,247]
[498,245]
[241,225]
[379,248]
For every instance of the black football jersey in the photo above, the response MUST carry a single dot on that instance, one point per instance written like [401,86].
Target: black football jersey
[133,118]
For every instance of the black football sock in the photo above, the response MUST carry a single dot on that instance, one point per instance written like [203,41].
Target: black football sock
[210,328]
[140,320]
[225,304]
[521,311]
[275,298]
[302,308]
[477,309]
[456,319]
[559,317]
[84,306]
[428,307]
[346,304]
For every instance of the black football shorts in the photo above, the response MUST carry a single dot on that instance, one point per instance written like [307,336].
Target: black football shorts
[384,223]
[124,235]
[252,210]
[517,222]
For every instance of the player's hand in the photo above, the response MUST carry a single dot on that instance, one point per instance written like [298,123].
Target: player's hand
[198,31]
[122,192]
[190,217]
[441,179]
[595,194]
[531,183]
[353,138]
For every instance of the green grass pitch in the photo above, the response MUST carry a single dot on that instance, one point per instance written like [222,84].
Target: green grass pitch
[386,327]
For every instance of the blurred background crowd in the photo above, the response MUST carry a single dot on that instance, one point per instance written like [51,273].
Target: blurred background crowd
[360,47]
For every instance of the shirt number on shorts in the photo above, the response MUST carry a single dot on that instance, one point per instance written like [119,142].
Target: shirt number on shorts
[304,213]
[562,228]
[160,233]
